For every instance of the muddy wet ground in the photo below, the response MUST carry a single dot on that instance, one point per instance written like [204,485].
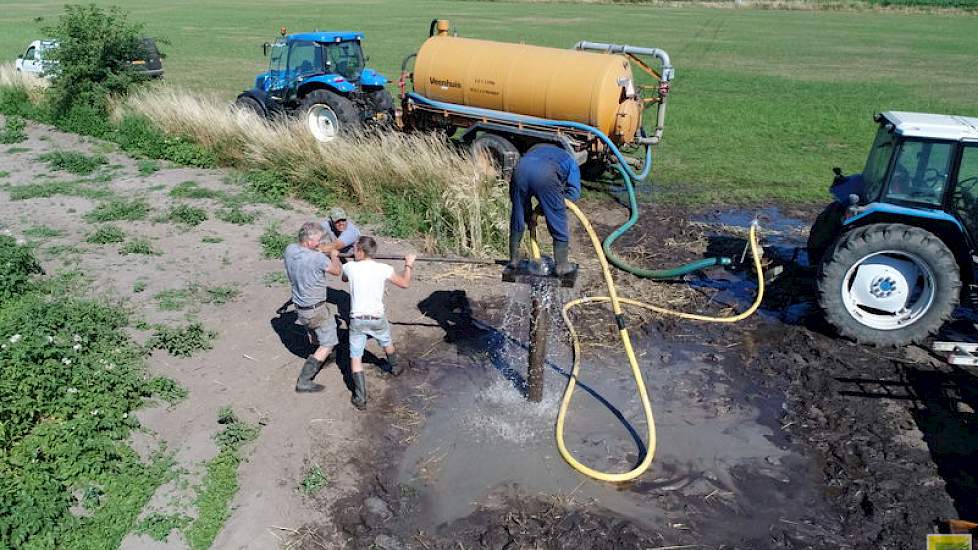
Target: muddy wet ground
[772,433]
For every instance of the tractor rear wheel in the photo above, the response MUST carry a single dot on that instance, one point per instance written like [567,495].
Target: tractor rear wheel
[327,115]
[888,284]
[498,150]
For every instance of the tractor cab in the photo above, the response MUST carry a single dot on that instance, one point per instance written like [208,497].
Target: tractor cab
[323,77]
[896,250]
[918,161]
[333,58]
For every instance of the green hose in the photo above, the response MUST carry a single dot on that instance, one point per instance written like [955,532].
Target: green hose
[671,273]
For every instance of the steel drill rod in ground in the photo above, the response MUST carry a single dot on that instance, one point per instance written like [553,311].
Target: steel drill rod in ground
[476,261]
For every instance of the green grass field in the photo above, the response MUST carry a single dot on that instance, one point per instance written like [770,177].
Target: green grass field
[764,103]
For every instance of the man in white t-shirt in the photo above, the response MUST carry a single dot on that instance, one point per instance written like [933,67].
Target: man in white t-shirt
[368,279]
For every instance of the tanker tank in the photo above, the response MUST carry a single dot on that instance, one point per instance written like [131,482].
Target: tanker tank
[596,89]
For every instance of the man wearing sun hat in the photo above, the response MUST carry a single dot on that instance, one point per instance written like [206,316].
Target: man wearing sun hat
[340,231]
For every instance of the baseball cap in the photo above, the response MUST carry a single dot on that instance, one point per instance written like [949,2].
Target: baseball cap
[337,213]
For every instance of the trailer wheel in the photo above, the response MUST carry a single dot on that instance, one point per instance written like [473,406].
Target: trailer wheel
[498,150]
[328,115]
[594,168]
[888,284]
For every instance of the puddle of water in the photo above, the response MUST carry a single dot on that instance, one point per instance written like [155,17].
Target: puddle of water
[770,218]
[484,434]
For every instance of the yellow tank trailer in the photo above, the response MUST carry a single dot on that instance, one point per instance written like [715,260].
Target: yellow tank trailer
[504,96]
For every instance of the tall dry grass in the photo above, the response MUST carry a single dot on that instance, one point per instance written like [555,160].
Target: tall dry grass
[464,205]
[13,80]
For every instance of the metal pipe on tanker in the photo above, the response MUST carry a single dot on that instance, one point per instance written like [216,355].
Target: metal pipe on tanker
[668,73]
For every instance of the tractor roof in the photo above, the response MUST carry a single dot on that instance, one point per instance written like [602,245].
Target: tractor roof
[321,36]
[925,125]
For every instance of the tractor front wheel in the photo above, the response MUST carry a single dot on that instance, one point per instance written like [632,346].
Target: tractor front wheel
[888,284]
[328,115]
[249,104]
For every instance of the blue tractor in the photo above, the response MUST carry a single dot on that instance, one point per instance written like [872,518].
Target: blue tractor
[896,251]
[322,78]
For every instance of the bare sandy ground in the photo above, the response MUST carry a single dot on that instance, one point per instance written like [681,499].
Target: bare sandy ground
[249,367]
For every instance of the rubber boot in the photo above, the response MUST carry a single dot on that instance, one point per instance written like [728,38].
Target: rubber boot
[515,254]
[394,363]
[563,267]
[359,398]
[310,369]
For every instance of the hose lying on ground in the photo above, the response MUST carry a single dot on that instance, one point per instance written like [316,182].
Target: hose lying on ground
[616,309]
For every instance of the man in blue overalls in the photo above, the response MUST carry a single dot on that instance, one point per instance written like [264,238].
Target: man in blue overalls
[550,174]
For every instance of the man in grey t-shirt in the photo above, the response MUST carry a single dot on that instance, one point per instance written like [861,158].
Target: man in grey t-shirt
[307,269]
[340,232]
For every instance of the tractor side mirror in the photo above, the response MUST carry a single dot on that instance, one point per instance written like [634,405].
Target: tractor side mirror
[264,49]
[366,59]
[837,171]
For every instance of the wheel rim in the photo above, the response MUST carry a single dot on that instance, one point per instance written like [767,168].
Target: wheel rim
[322,123]
[888,290]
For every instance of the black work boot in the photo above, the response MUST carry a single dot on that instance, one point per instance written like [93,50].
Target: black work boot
[563,267]
[310,369]
[515,254]
[359,398]
[394,363]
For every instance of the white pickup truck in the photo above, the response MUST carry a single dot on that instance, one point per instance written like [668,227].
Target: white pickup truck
[33,60]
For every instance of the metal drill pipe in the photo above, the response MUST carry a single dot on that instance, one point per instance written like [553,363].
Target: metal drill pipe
[474,261]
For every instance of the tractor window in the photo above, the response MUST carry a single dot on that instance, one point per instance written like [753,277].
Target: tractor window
[920,172]
[876,165]
[305,58]
[29,56]
[966,190]
[346,58]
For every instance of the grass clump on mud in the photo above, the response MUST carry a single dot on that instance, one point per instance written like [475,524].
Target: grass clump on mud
[220,483]
[72,378]
[168,389]
[236,216]
[44,190]
[139,246]
[158,526]
[274,242]
[42,232]
[187,215]
[13,130]
[193,190]
[73,161]
[119,210]
[182,341]
[314,481]
[147,167]
[175,299]
[106,234]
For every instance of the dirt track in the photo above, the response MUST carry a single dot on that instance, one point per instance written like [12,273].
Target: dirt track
[772,433]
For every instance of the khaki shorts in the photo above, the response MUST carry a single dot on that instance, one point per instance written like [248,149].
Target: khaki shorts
[320,322]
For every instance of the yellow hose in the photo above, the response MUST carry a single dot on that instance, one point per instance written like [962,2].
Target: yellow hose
[626,344]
